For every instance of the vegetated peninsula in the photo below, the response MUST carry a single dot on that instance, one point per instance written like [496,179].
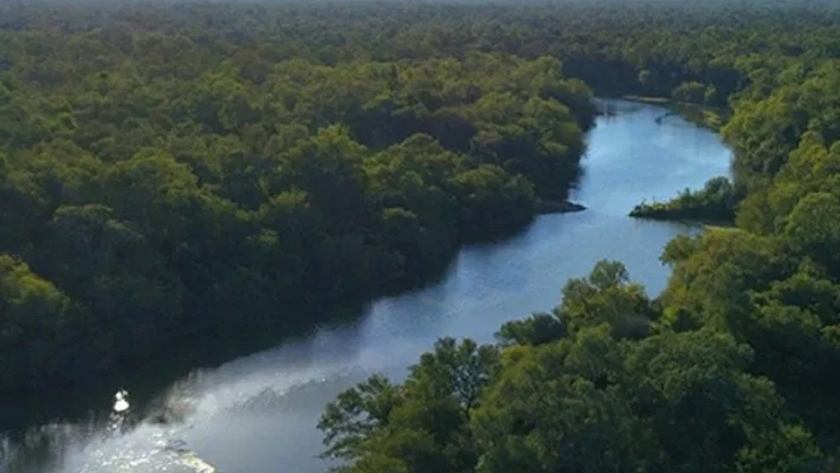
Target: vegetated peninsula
[715,202]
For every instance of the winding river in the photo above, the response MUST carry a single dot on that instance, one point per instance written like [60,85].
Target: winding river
[257,414]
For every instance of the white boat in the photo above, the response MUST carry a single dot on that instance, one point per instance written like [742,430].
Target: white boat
[121,401]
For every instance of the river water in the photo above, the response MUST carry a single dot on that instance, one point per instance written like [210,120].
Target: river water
[257,414]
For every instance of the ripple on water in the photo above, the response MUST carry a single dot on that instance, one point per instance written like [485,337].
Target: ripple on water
[151,453]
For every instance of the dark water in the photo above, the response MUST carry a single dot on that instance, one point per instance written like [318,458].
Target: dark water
[257,414]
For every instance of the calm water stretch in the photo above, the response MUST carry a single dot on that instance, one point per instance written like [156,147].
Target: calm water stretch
[257,414]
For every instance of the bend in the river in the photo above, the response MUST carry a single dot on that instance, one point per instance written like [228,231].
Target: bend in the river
[258,413]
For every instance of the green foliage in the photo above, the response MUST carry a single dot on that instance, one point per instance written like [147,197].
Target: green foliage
[33,313]
[227,168]
[691,92]
[210,177]
[716,202]
[422,425]
[588,400]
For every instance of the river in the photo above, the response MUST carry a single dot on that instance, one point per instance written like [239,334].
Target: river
[257,414]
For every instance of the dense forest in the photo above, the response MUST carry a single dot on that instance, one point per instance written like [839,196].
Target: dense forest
[731,368]
[188,171]
[166,175]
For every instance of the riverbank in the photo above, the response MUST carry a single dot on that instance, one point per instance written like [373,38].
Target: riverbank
[719,226]
[705,116]
[546,207]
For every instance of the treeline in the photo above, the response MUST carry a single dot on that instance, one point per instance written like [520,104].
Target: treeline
[173,174]
[732,367]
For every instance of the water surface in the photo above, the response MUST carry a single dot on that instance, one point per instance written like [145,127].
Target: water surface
[257,414]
